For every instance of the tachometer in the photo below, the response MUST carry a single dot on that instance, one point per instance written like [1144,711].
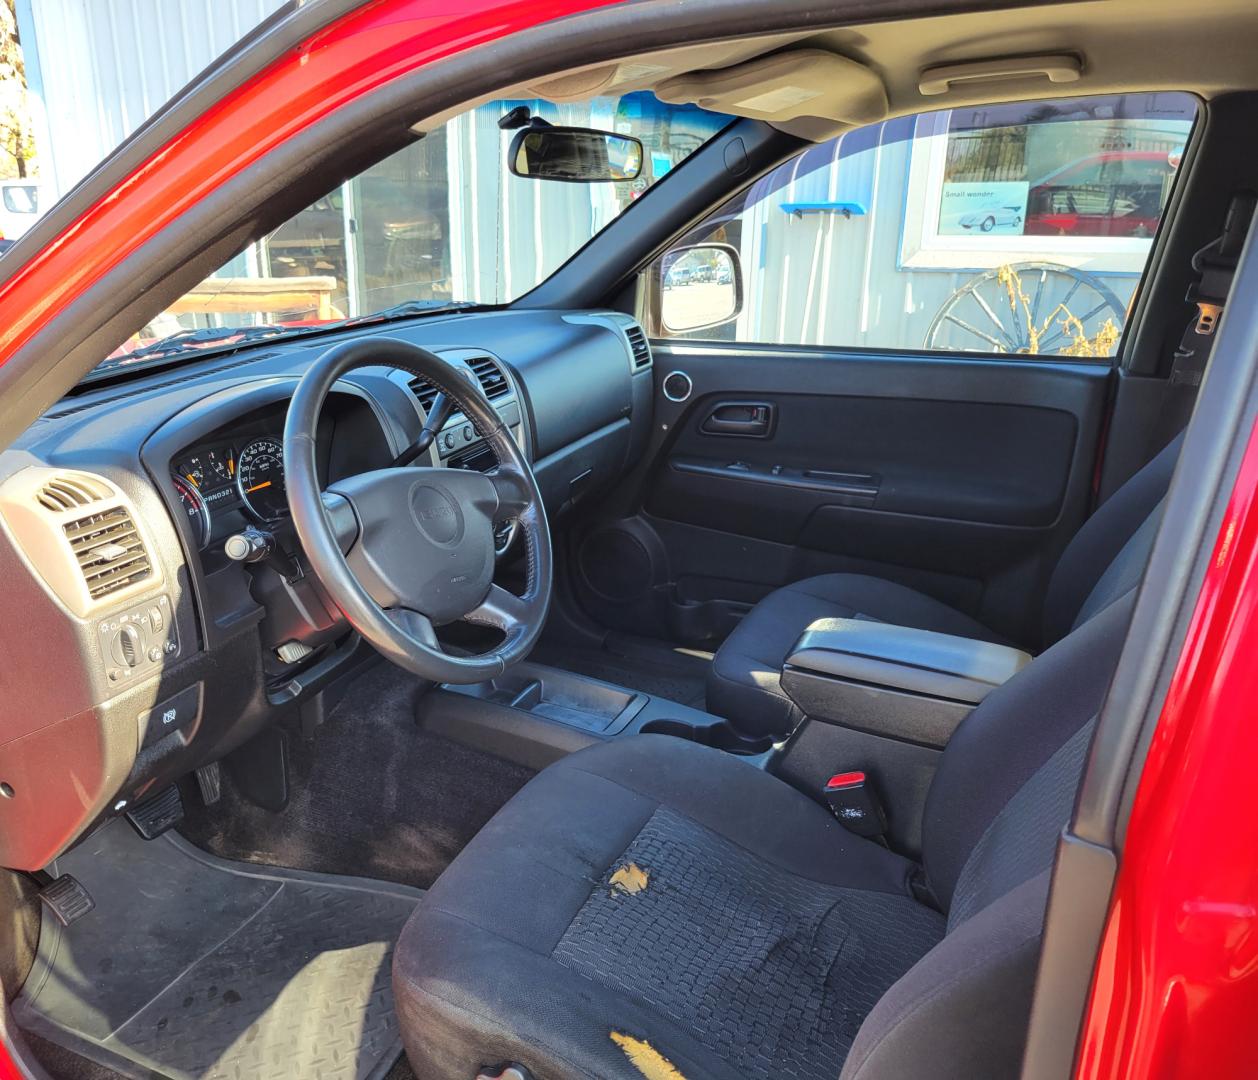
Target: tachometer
[260,478]
[196,509]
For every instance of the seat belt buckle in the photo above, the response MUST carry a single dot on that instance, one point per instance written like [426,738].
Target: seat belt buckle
[852,800]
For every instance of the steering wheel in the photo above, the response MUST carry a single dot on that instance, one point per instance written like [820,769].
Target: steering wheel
[403,550]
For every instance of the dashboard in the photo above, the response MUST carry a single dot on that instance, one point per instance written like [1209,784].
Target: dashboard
[140,646]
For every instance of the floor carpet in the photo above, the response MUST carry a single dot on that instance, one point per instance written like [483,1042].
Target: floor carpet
[373,796]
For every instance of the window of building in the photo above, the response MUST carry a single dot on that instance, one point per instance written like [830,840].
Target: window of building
[21,198]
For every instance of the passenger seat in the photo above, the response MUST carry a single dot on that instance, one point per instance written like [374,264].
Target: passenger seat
[1105,558]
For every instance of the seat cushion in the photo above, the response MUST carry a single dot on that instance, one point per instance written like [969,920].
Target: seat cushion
[652,891]
[744,682]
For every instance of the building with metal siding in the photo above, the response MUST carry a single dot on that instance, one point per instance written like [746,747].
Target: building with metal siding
[100,68]
[844,246]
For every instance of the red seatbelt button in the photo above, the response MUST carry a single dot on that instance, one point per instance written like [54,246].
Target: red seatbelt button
[842,780]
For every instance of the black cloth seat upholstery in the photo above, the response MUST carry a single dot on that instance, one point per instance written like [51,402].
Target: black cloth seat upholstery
[654,897]
[1104,559]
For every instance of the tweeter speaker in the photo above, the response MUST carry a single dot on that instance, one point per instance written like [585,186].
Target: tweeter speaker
[677,386]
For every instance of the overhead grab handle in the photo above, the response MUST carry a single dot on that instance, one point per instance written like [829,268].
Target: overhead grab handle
[1063,68]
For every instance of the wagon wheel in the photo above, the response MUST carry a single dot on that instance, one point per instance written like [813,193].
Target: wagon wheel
[1031,307]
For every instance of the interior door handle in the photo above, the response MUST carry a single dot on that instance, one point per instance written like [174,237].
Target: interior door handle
[743,419]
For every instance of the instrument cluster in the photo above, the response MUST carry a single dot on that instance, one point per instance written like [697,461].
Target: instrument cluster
[245,475]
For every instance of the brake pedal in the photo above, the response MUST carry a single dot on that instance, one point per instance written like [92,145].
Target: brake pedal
[67,899]
[154,816]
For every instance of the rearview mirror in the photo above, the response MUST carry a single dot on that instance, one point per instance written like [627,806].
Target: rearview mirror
[574,155]
[700,286]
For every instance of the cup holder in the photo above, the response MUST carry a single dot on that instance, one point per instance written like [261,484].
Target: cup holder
[718,735]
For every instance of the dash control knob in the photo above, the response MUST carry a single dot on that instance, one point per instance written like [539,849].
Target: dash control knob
[127,647]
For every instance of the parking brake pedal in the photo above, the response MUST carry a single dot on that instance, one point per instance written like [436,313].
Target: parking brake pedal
[67,899]
[154,816]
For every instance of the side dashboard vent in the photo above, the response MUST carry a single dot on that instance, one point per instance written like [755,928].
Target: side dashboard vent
[639,347]
[68,492]
[492,379]
[109,551]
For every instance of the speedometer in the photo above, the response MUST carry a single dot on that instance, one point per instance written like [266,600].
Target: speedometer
[260,478]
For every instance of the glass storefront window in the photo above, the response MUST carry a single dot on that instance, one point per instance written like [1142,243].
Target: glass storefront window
[440,221]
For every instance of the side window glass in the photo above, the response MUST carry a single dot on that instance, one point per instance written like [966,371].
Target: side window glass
[1012,229]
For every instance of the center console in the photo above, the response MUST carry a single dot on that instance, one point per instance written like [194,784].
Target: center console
[535,714]
[876,698]
[885,700]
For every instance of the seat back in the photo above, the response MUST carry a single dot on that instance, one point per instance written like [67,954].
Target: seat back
[1101,552]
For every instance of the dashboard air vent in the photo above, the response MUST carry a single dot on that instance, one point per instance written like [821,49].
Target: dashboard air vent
[425,393]
[109,550]
[67,492]
[641,350]
[492,380]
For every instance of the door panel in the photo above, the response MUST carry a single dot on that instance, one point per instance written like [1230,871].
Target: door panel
[960,477]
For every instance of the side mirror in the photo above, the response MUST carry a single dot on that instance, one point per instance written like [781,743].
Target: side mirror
[701,286]
[574,155]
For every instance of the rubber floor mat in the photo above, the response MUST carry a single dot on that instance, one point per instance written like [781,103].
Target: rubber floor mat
[194,967]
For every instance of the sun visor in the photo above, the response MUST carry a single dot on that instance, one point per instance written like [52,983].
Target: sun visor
[785,86]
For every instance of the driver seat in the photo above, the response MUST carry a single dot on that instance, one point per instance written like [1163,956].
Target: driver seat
[655,908]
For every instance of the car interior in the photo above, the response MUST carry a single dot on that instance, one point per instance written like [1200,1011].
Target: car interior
[550,685]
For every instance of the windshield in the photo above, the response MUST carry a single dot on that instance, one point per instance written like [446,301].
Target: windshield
[438,224]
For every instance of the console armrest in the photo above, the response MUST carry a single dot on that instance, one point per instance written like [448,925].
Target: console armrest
[895,681]
[920,661]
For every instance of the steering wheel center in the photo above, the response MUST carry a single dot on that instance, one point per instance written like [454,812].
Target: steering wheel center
[437,515]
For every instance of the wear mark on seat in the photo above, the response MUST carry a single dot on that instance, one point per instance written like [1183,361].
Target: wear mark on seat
[645,1058]
[771,972]
[629,880]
